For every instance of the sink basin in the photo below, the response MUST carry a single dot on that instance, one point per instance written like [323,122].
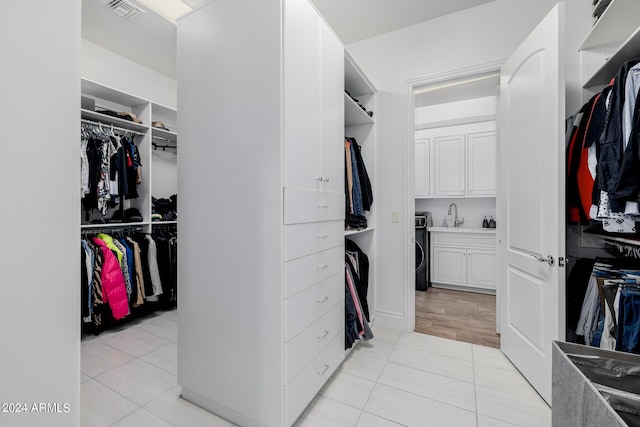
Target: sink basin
[463,230]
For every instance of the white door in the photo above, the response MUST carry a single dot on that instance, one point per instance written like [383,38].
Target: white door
[301,69]
[481,170]
[531,201]
[331,110]
[449,165]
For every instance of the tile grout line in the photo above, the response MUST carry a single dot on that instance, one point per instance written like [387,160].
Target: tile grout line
[475,388]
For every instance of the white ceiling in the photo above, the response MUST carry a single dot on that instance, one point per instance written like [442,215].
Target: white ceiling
[355,20]
[151,40]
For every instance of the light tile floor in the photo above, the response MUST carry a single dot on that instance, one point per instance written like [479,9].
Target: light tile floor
[397,379]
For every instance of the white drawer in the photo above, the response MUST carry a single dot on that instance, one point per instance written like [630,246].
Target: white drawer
[304,388]
[312,206]
[312,237]
[303,272]
[465,240]
[306,307]
[307,344]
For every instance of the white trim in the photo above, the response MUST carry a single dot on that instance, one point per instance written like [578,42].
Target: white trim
[455,122]
[409,196]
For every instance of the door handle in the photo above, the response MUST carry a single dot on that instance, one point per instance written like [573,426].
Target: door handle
[549,259]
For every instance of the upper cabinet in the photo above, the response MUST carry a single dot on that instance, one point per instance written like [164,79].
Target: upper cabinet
[613,40]
[456,161]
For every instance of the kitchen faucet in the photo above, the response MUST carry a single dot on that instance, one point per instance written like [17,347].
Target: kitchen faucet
[455,218]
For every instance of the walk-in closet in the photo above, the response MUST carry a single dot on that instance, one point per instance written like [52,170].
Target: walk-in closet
[375,214]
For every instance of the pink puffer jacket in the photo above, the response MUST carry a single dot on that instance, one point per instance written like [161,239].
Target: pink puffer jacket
[114,291]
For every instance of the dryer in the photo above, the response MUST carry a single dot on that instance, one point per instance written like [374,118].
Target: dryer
[422,220]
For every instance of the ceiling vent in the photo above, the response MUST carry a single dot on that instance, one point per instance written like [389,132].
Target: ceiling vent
[124,8]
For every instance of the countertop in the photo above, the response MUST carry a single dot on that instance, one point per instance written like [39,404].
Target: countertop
[462,230]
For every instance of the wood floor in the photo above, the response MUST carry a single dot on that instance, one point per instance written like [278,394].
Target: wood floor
[461,316]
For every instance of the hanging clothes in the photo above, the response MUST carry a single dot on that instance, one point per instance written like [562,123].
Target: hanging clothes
[603,155]
[359,194]
[356,283]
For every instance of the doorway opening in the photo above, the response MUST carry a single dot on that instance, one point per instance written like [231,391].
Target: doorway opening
[452,132]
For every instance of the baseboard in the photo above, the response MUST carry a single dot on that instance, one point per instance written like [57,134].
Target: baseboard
[464,288]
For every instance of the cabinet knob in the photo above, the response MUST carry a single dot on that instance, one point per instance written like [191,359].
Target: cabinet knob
[325,180]
[319,178]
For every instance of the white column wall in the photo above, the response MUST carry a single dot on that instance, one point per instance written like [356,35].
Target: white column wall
[480,35]
[40,193]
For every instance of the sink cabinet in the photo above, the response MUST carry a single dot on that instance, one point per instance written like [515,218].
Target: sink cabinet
[466,259]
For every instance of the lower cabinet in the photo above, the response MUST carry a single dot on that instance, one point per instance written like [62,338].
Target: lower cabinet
[465,259]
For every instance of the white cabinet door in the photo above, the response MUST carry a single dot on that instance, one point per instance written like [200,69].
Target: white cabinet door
[449,265]
[422,178]
[449,165]
[332,110]
[301,57]
[481,268]
[481,168]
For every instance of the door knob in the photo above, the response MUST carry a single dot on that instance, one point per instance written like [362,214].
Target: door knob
[549,259]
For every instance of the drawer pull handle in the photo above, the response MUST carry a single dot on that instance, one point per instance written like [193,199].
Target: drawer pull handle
[323,370]
[323,266]
[324,299]
[323,236]
[323,206]
[323,335]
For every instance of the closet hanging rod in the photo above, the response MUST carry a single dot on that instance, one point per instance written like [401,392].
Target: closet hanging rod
[110,126]
[163,147]
[162,138]
[106,229]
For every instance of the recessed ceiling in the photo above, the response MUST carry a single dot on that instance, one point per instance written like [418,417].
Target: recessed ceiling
[150,40]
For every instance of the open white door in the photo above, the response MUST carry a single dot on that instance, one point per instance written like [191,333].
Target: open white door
[531,201]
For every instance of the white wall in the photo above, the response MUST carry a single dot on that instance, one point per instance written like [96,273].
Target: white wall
[39,184]
[110,69]
[469,38]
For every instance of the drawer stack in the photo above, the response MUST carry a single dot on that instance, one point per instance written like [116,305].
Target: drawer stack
[313,293]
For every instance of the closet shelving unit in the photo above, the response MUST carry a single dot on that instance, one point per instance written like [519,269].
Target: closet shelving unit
[359,125]
[159,165]
[613,40]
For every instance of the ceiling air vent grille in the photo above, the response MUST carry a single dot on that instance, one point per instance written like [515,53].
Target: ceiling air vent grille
[124,8]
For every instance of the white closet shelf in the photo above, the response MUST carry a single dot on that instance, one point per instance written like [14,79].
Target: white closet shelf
[98,90]
[353,232]
[615,24]
[629,49]
[141,224]
[355,82]
[162,133]
[106,119]
[354,115]
[164,223]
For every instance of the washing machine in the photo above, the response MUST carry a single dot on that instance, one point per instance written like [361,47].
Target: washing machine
[422,221]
